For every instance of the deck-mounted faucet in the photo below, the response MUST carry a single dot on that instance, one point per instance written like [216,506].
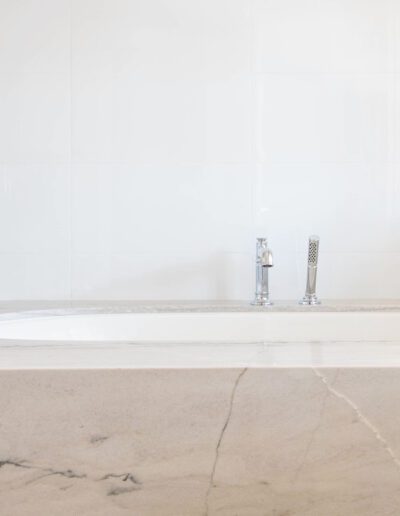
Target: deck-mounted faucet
[310,297]
[263,262]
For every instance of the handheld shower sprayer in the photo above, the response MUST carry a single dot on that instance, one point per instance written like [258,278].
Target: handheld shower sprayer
[310,297]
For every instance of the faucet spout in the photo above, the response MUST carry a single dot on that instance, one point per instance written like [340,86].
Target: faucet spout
[264,261]
[267,258]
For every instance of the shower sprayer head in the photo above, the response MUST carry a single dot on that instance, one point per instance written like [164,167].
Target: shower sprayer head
[313,245]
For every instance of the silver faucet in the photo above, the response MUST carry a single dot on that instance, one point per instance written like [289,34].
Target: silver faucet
[310,297]
[263,262]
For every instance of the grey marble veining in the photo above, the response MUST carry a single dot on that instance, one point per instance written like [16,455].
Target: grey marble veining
[194,443]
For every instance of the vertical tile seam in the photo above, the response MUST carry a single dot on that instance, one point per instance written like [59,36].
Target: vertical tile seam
[70,236]
[392,180]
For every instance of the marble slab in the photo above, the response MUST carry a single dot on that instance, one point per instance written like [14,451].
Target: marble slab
[19,309]
[230,442]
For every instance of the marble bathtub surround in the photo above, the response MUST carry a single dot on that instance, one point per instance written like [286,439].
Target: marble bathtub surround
[219,429]
[247,442]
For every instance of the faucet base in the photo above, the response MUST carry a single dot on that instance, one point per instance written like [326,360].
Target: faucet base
[310,300]
[261,301]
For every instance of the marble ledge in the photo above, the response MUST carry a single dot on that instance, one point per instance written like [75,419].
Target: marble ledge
[65,307]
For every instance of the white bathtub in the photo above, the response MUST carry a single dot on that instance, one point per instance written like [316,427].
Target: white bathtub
[191,340]
[200,327]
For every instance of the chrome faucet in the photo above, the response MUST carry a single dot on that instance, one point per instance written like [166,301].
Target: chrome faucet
[310,297]
[263,262]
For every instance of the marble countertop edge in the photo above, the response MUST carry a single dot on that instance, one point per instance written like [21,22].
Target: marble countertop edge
[10,309]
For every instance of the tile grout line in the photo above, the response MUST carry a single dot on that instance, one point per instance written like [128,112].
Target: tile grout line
[70,159]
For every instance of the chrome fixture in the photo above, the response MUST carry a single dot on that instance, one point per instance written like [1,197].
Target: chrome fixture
[310,297]
[263,263]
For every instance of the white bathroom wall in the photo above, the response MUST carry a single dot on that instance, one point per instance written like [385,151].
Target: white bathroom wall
[144,144]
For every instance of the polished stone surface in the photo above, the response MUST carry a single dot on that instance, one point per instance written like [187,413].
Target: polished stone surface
[239,442]
[16,309]
[271,440]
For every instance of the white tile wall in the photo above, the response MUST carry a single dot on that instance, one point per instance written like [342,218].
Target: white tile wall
[144,145]
[313,36]
[161,210]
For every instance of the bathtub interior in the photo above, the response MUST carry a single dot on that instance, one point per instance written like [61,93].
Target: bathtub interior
[206,327]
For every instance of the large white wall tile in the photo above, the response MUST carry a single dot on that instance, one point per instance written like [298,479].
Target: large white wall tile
[345,203]
[34,80]
[156,39]
[286,36]
[35,36]
[123,118]
[230,114]
[340,36]
[34,209]
[34,276]
[392,204]
[154,209]
[396,82]
[387,272]
[161,82]
[356,115]
[396,22]
[290,118]
[34,117]
[160,276]
[313,118]
[345,275]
